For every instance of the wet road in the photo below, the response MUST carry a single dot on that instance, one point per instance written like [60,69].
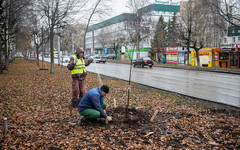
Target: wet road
[218,87]
[213,86]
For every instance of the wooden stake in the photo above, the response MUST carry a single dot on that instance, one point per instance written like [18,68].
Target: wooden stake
[114,102]
[154,115]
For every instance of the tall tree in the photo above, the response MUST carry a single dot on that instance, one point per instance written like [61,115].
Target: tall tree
[172,39]
[159,40]
[57,14]
[193,26]
[185,26]
[228,10]
[139,26]
[89,19]
[11,15]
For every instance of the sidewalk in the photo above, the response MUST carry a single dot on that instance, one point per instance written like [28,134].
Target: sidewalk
[175,66]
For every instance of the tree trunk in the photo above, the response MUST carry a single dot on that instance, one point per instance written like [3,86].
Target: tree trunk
[188,53]
[5,49]
[137,44]
[51,49]
[37,51]
[1,64]
[197,54]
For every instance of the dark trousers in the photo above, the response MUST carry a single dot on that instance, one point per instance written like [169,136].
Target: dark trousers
[78,88]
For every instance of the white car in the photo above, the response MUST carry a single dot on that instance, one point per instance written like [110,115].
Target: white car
[98,59]
[65,59]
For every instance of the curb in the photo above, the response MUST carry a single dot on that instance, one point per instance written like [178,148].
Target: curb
[198,69]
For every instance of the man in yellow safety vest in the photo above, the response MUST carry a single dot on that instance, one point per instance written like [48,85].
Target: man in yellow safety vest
[77,65]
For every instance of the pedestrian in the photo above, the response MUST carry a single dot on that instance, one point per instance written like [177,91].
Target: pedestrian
[92,105]
[159,60]
[77,65]
[164,59]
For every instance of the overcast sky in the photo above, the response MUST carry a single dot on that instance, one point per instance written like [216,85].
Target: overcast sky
[119,6]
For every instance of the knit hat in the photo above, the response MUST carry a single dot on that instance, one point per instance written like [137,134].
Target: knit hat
[105,88]
[79,50]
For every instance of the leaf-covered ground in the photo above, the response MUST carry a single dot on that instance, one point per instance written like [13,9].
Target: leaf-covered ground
[36,104]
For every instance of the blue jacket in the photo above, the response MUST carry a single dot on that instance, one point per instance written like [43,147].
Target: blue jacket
[93,99]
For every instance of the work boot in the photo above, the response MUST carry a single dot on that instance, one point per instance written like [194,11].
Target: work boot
[75,102]
[85,121]
[101,121]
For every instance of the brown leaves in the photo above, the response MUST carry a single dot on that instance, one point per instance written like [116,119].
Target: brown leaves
[36,104]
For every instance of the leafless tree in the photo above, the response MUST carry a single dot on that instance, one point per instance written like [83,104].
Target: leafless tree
[11,16]
[57,14]
[228,10]
[193,25]
[103,37]
[139,25]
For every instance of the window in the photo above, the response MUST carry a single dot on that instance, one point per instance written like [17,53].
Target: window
[239,38]
[225,40]
[233,39]
[224,56]
[233,31]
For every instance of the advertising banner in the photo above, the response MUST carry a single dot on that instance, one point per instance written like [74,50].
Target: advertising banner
[180,58]
[105,50]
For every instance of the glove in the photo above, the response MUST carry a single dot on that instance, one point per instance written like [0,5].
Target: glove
[108,119]
[90,60]
[74,62]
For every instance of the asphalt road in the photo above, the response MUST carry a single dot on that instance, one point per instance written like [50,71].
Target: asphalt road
[217,87]
[213,86]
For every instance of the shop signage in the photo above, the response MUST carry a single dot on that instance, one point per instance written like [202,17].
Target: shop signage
[237,45]
[217,50]
[228,49]
[162,49]
[227,45]
[202,53]
[32,54]
[172,48]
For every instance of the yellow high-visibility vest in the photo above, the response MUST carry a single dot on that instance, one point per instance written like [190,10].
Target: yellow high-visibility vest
[79,67]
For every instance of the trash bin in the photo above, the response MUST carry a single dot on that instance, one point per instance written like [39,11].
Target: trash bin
[122,57]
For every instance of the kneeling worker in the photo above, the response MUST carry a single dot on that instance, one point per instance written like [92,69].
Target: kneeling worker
[92,106]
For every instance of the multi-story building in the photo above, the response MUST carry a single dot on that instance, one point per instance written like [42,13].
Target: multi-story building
[116,32]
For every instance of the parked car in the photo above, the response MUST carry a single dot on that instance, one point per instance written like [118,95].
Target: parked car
[99,59]
[144,61]
[20,55]
[111,56]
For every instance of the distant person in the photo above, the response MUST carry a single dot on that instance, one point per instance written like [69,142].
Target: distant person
[92,106]
[77,65]
[159,60]
[164,59]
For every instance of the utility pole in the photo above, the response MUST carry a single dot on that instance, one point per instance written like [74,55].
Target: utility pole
[93,41]
[72,45]
[59,49]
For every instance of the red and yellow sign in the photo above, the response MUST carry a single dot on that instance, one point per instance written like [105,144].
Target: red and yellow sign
[205,57]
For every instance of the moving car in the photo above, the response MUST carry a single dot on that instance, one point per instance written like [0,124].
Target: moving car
[99,59]
[144,61]
[89,55]
[111,56]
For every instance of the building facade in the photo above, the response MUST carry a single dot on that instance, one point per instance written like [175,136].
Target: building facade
[119,31]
